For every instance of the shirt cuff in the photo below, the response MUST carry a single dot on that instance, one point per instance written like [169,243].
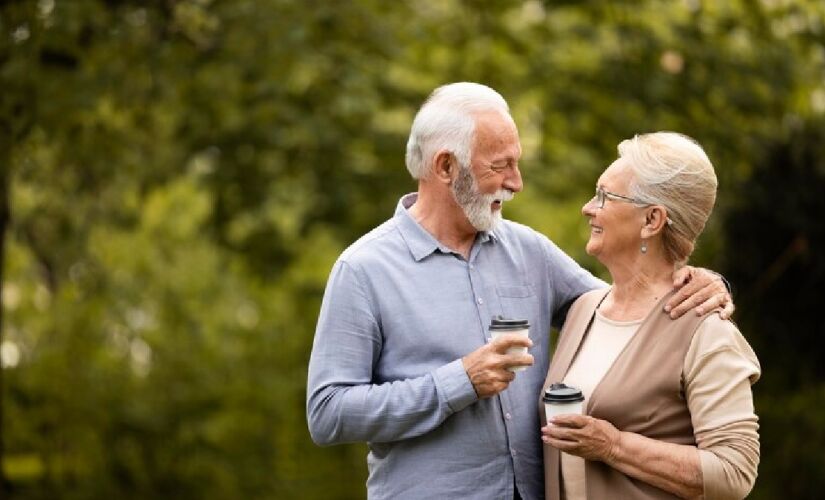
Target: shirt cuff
[454,386]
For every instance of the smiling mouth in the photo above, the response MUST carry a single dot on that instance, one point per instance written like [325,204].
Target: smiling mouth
[596,229]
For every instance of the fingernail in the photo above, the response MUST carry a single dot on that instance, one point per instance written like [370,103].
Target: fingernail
[667,308]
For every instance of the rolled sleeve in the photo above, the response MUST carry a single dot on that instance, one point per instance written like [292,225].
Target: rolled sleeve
[729,469]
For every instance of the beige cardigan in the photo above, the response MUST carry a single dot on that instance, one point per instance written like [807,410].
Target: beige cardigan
[642,392]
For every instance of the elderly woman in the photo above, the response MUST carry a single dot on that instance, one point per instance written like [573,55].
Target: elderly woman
[668,404]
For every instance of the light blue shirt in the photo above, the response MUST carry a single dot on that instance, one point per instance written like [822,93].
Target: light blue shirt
[399,312]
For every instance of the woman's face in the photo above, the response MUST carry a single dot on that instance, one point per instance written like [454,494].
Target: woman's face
[615,229]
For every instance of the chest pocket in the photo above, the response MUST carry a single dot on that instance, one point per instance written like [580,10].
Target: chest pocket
[518,302]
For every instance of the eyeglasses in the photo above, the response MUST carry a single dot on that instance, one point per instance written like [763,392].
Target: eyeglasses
[602,195]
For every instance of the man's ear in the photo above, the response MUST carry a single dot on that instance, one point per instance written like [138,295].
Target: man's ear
[443,167]
[655,221]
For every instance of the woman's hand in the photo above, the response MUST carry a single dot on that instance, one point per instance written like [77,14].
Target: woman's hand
[583,436]
[672,467]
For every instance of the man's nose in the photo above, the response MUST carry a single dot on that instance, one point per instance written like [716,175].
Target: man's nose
[513,181]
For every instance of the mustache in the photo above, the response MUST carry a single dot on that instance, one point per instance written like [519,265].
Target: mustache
[502,195]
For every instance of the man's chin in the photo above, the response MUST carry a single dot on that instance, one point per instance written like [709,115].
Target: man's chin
[489,223]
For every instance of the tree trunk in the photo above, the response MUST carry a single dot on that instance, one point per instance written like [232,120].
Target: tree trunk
[5,218]
[5,175]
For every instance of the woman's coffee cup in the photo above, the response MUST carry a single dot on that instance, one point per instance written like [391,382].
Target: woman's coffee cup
[560,399]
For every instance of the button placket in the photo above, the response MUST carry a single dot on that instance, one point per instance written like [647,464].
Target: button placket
[476,288]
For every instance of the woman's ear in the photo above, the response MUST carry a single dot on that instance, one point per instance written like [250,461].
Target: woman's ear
[655,221]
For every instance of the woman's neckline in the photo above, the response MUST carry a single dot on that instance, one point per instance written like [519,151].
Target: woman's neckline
[635,315]
[620,323]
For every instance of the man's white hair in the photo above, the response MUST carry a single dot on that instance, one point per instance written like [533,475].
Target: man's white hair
[446,122]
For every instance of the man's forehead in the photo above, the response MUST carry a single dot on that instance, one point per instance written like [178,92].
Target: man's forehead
[493,119]
[496,131]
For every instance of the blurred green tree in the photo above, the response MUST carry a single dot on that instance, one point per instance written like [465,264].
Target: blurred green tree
[176,179]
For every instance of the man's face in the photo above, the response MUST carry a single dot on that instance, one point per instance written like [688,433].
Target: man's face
[493,176]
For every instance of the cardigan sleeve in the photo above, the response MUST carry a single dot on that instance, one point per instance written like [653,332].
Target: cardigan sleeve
[718,372]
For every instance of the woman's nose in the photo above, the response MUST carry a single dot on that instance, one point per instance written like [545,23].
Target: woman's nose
[589,208]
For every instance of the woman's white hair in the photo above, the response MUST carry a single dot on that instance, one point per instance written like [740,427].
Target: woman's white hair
[672,170]
[446,122]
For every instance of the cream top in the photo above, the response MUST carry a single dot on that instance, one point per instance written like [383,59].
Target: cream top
[718,371]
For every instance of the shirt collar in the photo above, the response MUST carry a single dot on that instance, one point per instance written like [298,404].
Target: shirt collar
[420,242]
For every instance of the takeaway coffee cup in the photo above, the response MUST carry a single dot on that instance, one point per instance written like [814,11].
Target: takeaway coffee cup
[562,399]
[501,326]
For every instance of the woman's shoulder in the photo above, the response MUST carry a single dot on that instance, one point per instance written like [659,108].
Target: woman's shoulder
[590,295]
[717,333]
[720,339]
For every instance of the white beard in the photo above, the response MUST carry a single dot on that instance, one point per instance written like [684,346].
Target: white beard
[476,205]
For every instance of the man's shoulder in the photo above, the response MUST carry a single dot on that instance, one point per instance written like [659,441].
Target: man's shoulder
[509,230]
[515,233]
[380,239]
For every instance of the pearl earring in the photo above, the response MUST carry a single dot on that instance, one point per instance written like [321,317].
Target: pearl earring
[644,247]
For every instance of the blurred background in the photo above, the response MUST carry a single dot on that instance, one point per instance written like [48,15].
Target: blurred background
[178,176]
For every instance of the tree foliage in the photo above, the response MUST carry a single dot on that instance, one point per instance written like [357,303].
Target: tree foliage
[182,174]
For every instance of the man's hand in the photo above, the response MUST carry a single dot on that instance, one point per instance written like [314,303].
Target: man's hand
[582,435]
[700,289]
[487,365]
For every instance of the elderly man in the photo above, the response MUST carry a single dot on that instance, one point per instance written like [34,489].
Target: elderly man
[402,357]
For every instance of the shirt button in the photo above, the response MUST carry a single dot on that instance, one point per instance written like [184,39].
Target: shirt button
[472,267]
[480,300]
[508,416]
[513,451]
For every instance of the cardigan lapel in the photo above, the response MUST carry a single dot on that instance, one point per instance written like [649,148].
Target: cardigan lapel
[570,338]
[655,314]
[576,324]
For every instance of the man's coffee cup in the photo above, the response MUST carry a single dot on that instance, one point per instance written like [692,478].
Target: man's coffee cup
[501,326]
